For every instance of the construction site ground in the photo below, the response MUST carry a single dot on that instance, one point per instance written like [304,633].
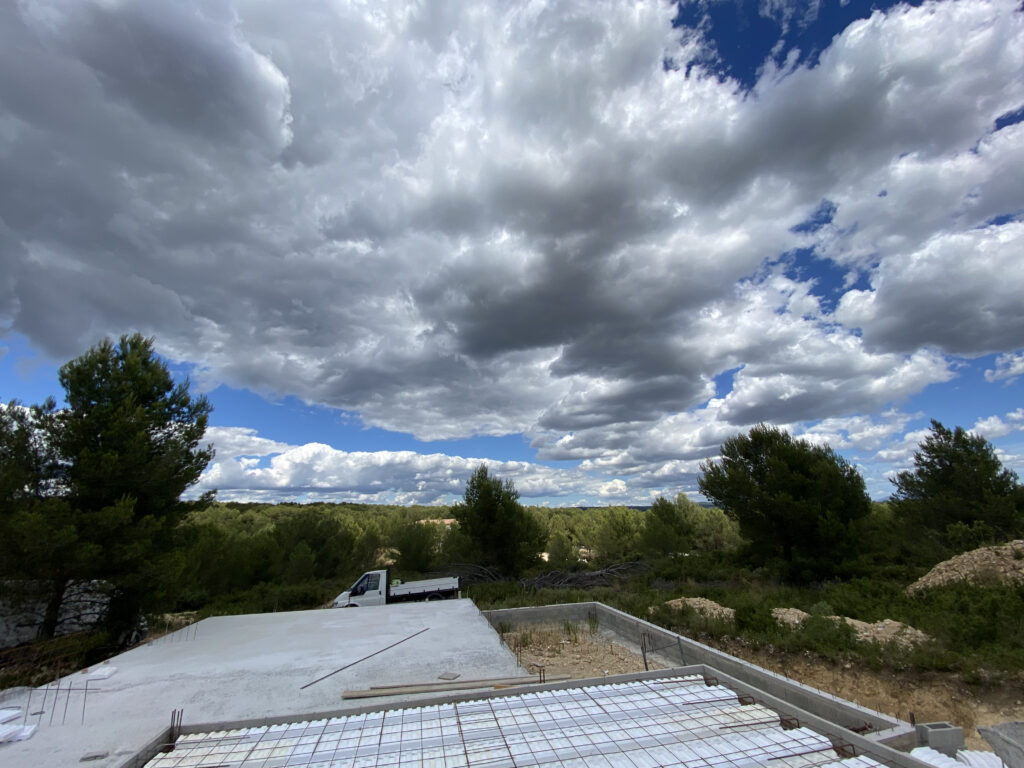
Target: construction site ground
[575,650]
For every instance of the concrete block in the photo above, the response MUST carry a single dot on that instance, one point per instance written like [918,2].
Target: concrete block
[942,737]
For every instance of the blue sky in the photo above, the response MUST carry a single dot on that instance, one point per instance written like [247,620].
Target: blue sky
[582,242]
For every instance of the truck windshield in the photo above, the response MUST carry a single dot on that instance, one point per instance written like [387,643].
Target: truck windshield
[368,582]
[359,587]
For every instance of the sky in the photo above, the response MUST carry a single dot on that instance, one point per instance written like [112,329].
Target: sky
[582,242]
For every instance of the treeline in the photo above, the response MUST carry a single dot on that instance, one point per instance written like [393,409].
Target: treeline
[233,555]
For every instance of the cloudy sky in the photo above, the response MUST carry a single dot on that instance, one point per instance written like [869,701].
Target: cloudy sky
[585,242]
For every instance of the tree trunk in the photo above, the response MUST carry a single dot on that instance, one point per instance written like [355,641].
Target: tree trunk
[53,604]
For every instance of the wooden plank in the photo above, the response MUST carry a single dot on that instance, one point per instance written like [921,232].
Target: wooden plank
[479,680]
[401,690]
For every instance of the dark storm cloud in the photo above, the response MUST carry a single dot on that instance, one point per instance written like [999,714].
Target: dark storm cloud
[179,64]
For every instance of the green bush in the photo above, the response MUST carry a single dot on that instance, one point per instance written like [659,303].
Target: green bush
[755,618]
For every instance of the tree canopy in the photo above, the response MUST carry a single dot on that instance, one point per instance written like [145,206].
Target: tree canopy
[665,529]
[960,489]
[793,500]
[93,492]
[505,534]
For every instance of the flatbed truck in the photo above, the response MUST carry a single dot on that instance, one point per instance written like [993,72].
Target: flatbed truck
[377,588]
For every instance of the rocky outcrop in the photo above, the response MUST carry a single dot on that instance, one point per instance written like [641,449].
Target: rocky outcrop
[1001,564]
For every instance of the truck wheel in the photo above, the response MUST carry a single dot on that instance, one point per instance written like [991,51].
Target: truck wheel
[434,596]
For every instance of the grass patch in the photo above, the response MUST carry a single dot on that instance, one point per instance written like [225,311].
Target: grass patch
[41,662]
[271,598]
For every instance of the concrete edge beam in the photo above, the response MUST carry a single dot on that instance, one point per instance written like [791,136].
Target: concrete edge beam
[841,737]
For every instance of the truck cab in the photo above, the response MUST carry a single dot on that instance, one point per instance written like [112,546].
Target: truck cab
[370,589]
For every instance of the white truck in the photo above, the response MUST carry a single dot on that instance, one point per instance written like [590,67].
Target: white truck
[376,588]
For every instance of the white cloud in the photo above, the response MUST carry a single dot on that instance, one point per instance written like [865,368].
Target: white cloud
[509,218]
[614,488]
[248,466]
[995,426]
[1008,367]
[959,292]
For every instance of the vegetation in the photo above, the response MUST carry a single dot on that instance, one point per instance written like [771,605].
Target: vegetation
[500,530]
[795,502]
[92,492]
[129,446]
[959,491]
[976,631]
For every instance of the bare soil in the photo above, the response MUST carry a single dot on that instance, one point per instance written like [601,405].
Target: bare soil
[574,650]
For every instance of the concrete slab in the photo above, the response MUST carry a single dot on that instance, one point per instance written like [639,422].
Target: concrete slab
[242,667]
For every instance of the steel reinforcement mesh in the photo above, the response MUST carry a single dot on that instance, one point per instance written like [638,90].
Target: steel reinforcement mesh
[677,721]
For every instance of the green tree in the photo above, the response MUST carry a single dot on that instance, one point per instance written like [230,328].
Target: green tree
[666,530]
[959,489]
[562,553]
[793,500]
[617,535]
[28,463]
[129,444]
[503,532]
[418,542]
[301,565]
[711,530]
[41,550]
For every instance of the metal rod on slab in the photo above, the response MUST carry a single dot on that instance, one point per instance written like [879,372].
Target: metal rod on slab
[42,709]
[56,696]
[357,661]
[67,700]
[498,682]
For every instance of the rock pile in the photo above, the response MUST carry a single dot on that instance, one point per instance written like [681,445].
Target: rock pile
[884,631]
[790,617]
[705,607]
[1003,564]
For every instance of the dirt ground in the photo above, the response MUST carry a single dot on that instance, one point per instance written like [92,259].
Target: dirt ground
[574,650]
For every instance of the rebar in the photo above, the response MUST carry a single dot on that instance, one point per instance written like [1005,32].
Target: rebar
[357,661]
